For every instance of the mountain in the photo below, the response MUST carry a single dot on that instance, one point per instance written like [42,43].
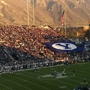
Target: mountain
[46,12]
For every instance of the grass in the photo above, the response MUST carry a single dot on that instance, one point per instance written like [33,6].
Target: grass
[28,80]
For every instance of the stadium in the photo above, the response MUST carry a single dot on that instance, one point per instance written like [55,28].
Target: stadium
[44,57]
[29,62]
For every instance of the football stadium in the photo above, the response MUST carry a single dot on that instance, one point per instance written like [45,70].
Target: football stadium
[42,47]
[42,59]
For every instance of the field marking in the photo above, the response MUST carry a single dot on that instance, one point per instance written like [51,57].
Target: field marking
[30,82]
[16,83]
[46,81]
[78,77]
[72,76]
[63,87]
[55,79]
[59,75]
[83,71]
[50,79]
[78,80]
[5,86]
[39,79]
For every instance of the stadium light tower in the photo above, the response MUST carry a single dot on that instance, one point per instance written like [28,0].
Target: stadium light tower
[33,12]
[28,12]
[65,24]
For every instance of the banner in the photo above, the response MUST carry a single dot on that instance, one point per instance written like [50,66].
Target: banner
[59,47]
[86,46]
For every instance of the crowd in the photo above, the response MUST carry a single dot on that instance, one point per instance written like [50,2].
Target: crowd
[19,44]
[23,47]
[15,40]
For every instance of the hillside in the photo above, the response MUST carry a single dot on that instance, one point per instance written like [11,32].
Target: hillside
[47,12]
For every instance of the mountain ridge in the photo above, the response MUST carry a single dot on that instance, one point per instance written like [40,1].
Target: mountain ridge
[47,12]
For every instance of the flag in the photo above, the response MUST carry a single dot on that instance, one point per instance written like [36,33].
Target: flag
[62,19]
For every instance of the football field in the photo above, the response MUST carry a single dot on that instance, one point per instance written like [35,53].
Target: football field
[44,80]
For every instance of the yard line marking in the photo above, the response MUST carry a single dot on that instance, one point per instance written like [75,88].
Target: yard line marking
[65,82]
[58,80]
[3,89]
[49,82]
[79,76]
[44,81]
[37,79]
[16,83]
[30,82]
[83,72]
[5,86]
[68,77]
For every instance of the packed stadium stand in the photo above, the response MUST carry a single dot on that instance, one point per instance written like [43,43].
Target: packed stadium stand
[19,44]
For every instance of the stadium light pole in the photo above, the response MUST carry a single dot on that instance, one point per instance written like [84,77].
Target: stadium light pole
[33,12]
[28,12]
[65,24]
[65,32]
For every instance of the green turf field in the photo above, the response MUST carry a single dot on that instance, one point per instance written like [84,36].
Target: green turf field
[29,80]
